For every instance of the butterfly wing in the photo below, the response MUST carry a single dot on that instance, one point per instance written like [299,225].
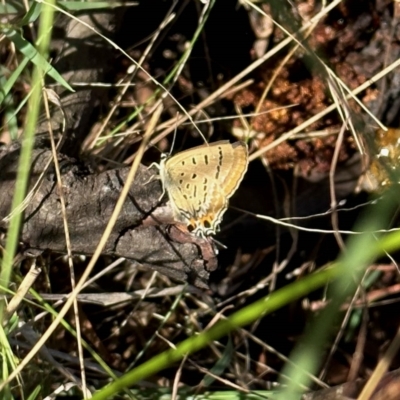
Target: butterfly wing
[199,182]
[233,167]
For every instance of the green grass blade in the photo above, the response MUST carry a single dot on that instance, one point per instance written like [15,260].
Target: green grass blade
[94,5]
[241,318]
[29,51]
[222,364]
[45,27]
[11,7]
[32,15]
[35,393]
[361,251]
[8,84]
[16,7]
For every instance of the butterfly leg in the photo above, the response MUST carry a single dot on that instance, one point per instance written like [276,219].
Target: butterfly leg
[153,178]
[154,164]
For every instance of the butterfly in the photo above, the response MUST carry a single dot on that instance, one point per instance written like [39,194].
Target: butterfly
[199,182]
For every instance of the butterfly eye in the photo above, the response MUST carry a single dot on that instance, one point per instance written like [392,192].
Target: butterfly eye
[207,224]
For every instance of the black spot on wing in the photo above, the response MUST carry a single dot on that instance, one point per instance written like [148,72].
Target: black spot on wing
[205,195]
[207,224]
[190,228]
[220,158]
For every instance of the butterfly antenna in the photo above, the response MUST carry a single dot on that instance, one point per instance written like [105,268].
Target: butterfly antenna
[174,137]
[218,243]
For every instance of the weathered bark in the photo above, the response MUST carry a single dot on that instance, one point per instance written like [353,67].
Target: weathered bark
[90,198]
